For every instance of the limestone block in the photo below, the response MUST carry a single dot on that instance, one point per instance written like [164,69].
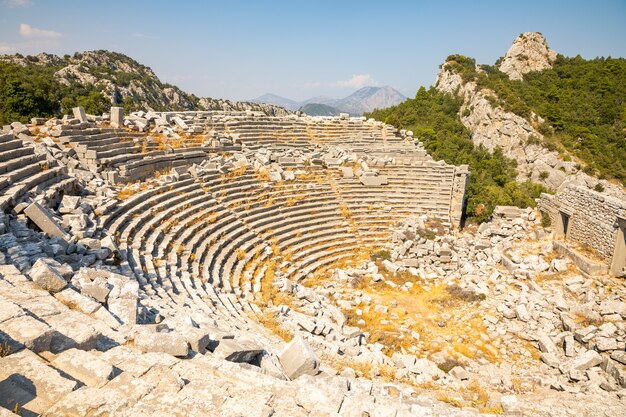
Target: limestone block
[68,204]
[459,373]
[171,343]
[75,300]
[117,116]
[84,366]
[79,113]
[237,351]
[9,310]
[586,360]
[89,401]
[198,339]
[73,330]
[27,380]
[122,300]
[370,181]
[43,218]
[298,358]
[29,332]
[47,277]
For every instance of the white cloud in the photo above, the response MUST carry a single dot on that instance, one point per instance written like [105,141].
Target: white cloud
[27,31]
[16,3]
[357,81]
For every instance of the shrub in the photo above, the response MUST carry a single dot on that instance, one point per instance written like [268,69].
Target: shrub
[380,255]
[546,221]
[599,188]
[543,175]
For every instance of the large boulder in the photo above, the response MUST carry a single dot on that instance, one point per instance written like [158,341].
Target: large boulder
[47,276]
[298,358]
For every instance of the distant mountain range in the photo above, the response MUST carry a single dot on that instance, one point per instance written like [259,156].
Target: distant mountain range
[361,101]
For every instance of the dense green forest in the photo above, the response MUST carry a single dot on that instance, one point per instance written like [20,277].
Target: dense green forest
[583,103]
[433,118]
[32,91]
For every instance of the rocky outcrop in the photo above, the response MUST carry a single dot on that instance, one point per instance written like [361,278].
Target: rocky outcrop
[528,53]
[491,126]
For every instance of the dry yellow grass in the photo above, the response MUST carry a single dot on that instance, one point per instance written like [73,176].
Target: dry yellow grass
[270,322]
[237,172]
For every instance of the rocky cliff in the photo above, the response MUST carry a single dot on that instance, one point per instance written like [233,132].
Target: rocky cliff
[491,126]
[122,79]
[528,53]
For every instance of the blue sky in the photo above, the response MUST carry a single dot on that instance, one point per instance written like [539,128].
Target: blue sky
[242,49]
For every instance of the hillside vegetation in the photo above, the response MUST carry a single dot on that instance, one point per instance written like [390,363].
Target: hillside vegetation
[433,117]
[582,102]
[32,91]
[48,85]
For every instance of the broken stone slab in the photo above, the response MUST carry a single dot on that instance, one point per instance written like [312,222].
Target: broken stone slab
[43,218]
[172,343]
[199,339]
[89,401]
[79,113]
[546,344]
[619,356]
[31,383]
[84,366]
[73,330]
[238,351]
[298,358]
[47,277]
[459,373]
[69,204]
[370,181]
[28,332]
[584,361]
[77,301]
[123,298]
[609,307]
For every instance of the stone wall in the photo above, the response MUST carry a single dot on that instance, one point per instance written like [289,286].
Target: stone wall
[457,201]
[593,216]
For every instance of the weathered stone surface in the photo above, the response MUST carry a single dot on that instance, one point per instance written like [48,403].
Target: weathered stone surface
[459,373]
[75,300]
[47,277]
[27,380]
[237,351]
[528,53]
[117,116]
[79,113]
[374,181]
[298,358]
[88,401]
[586,360]
[69,204]
[73,330]
[123,299]
[43,218]
[84,366]
[30,332]
[166,342]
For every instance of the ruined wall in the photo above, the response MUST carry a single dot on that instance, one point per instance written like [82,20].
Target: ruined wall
[593,216]
[457,200]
